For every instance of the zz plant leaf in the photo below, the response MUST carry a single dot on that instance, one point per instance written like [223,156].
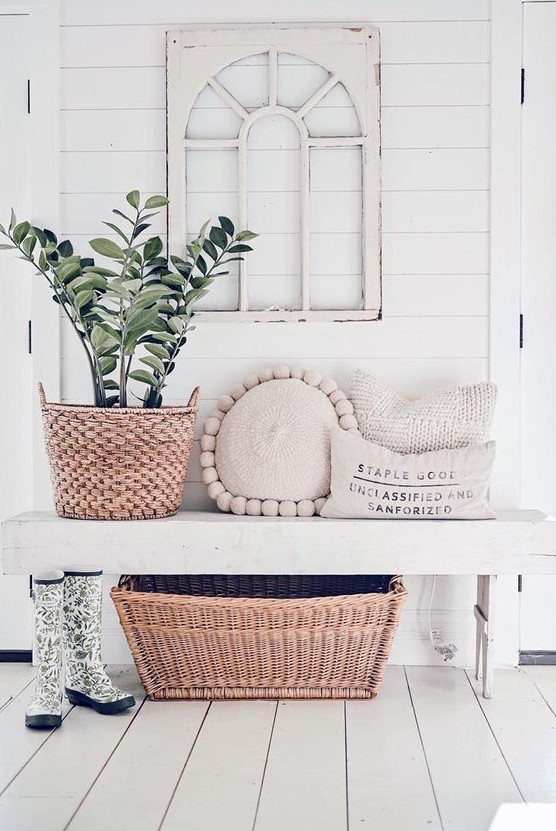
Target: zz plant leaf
[139,311]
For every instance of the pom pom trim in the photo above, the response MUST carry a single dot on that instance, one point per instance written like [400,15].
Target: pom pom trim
[240,505]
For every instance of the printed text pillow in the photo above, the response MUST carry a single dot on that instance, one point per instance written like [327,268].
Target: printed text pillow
[372,482]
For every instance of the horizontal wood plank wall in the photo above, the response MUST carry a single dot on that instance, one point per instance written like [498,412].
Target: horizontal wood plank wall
[435,136]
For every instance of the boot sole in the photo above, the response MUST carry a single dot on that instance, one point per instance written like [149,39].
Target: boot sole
[43,722]
[107,708]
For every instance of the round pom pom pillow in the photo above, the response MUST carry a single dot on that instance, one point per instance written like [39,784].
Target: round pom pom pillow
[266,449]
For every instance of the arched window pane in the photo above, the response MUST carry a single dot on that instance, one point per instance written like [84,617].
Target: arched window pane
[210,171]
[274,132]
[212,190]
[273,200]
[210,118]
[247,81]
[336,211]
[298,79]
[333,115]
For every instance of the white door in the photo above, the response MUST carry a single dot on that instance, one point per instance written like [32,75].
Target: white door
[538,365]
[15,304]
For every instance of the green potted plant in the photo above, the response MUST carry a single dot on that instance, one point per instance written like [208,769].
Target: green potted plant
[112,460]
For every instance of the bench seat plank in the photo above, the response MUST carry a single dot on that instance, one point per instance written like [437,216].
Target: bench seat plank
[518,542]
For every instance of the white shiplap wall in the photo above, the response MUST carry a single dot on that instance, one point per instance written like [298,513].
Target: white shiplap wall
[435,137]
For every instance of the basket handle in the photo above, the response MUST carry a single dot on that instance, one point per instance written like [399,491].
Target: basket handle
[194,398]
[42,395]
[396,584]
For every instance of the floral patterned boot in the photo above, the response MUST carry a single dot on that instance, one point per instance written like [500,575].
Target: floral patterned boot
[87,683]
[45,709]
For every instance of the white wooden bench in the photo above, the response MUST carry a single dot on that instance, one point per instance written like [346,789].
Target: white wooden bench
[520,542]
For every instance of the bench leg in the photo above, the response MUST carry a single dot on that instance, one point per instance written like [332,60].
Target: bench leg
[484,640]
[479,623]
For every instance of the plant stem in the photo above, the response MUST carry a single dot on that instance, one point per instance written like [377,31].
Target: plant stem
[123,373]
[123,376]
[163,377]
[128,367]
[99,393]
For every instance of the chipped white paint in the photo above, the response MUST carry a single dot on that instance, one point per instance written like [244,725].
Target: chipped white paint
[350,60]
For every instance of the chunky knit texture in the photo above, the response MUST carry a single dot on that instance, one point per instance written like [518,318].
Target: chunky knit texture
[450,418]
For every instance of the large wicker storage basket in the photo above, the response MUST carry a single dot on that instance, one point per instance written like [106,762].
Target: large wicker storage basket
[127,463]
[214,647]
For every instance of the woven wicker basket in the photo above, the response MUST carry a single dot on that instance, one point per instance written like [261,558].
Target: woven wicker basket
[250,647]
[127,463]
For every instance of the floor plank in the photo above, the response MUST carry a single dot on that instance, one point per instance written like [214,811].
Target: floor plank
[13,679]
[67,764]
[525,728]
[148,762]
[304,786]
[544,678]
[429,738]
[468,770]
[17,743]
[389,785]
[221,782]
[25,813]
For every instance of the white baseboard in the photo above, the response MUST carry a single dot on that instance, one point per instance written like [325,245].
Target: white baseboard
[412,643]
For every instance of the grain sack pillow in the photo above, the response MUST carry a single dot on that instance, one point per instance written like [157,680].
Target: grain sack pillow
[266,449]
[373,482]
[448,418]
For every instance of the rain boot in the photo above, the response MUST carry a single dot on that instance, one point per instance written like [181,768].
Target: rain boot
[45,708]
[86,682]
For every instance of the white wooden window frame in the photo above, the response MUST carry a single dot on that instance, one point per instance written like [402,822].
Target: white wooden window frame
[352,56]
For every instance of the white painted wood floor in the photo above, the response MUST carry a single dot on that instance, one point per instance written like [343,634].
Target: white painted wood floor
[428,753]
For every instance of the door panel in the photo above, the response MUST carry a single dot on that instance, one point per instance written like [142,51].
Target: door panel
[538,364]
[15,305]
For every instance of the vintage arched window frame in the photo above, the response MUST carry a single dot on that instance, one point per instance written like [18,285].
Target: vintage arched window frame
[352,56]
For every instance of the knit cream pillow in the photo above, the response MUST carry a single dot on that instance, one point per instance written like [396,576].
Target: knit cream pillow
[372,482]
[266,449]
[448,418]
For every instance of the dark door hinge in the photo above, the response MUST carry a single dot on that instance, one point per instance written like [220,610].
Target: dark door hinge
[28,96]
[522,85]
[520,582]
[521,331]
[30,337]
